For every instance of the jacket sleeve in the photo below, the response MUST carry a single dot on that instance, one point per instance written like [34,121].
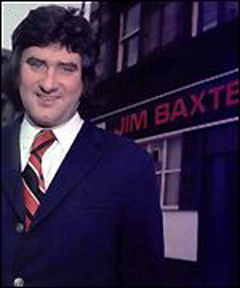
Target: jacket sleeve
[141,234]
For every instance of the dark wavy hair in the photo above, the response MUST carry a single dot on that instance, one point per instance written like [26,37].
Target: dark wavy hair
[6,59]
[51,24]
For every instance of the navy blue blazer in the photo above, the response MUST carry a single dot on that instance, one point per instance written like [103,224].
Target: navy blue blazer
[99,223]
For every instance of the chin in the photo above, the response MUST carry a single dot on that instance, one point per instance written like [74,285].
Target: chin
[43,122]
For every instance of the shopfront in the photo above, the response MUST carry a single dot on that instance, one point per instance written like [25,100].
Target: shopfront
[191,133]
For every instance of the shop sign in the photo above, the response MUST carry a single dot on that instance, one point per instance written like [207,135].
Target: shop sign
[212,99]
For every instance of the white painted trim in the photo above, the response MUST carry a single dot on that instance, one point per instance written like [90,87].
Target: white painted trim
[120,46]
[188,129]
[181,235]
[129,35]
[163,177]
[195,18]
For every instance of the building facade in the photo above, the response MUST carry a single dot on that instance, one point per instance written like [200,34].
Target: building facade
[167,77]
[7,108]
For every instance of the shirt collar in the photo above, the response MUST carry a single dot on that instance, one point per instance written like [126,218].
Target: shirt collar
[64,133]
[67,132]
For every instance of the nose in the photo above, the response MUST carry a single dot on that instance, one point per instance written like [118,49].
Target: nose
[48,83]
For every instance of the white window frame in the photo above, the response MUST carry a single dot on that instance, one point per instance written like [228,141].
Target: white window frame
[197,25]
[123,38]
[164,171]
[195,18]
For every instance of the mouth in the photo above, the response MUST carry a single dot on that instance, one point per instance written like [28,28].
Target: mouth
[46,99]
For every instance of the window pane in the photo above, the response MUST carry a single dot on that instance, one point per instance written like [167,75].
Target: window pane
[157,151]
[159,183]
[132,20]
[151,32]
[171,195]
[132,54]
[173,153]
[210,14]
[172,24]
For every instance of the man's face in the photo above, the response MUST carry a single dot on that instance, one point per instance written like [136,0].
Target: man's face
[50,84]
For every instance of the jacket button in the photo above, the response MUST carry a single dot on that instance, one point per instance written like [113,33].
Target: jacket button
[18,282]
[20,227]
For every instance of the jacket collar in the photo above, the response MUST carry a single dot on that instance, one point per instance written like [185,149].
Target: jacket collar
[11,178]
[81,158]
[79,161]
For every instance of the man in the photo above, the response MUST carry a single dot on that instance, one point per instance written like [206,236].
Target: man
[79,204]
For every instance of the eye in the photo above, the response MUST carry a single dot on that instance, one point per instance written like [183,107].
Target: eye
[67,68]
[35,64]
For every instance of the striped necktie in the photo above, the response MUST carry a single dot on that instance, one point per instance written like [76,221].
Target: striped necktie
[32,176]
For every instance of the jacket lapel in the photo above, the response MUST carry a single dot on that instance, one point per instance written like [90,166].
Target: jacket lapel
[11,177]
[82,157]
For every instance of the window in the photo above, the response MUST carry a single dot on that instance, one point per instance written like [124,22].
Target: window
[172,27]
[207,15]
[164,24]
[129,37]
[151,30]
[167,160]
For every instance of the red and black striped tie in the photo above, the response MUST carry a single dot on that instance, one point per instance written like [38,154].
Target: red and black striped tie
[32,176]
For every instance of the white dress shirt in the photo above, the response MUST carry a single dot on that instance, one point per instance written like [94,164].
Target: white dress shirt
[53,157]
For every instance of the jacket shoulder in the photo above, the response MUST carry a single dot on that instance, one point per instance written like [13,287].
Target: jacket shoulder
[122,146]
[10,131]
